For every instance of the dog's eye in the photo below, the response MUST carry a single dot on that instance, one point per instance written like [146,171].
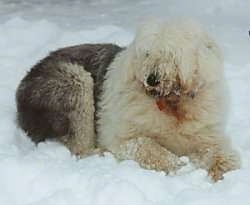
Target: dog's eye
[153,80]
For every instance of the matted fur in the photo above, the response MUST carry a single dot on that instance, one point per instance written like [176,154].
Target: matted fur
[132,126]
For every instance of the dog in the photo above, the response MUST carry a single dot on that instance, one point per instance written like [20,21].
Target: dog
[160,98]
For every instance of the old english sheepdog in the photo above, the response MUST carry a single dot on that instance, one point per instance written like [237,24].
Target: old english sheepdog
[160,98]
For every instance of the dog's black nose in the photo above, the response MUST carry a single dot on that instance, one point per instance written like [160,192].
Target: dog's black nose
[153,80]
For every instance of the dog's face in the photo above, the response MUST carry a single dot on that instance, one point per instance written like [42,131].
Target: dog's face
[174,62]
[163,80]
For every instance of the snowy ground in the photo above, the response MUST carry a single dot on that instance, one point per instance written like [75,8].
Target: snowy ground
[48,174]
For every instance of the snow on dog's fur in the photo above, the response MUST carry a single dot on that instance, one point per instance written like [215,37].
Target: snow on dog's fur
[164,98]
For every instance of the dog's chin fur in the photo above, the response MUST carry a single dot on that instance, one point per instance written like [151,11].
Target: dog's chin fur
[132,126]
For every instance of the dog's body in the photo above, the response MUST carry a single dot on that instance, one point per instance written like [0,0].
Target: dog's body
[162,97]
[57,98]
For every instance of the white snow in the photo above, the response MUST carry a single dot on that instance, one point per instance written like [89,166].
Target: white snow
[48,174]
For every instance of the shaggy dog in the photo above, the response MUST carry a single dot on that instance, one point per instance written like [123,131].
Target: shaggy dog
[162,97]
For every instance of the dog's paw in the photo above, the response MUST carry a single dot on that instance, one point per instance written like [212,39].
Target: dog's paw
[223,164]
[217,170]
[168,163]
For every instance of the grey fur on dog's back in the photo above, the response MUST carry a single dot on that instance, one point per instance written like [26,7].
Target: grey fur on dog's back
[49,94]
[95,58]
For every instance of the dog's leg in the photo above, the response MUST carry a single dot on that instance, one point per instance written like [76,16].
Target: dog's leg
[58,104]
[148,153]
[80,139]
[81,136]
[216,156]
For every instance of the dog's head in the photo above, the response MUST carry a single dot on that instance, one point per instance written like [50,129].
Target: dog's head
[174,61]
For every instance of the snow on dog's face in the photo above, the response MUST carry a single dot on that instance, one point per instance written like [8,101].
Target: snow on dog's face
[174,61]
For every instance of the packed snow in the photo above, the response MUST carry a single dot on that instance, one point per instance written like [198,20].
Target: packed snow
[48,174]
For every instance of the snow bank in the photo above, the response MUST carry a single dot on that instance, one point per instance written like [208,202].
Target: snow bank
[49,175]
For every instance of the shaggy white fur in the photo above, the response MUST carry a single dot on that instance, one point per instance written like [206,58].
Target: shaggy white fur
[132,126]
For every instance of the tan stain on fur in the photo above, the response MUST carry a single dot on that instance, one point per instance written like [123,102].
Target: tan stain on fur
[176,111]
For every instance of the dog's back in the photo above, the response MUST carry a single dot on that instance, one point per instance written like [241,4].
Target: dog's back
[60,86]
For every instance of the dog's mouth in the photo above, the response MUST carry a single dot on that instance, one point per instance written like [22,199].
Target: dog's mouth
[169,97]
[165,98]
[167,93]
